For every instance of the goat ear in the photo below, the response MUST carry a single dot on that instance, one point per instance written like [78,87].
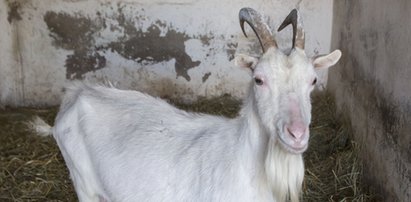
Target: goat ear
[325,61]
[242,60]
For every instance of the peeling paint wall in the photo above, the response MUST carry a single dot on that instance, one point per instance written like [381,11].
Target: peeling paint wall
[169,48]
[372,86]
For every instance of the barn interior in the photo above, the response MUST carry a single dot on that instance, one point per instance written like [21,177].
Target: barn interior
[183,51]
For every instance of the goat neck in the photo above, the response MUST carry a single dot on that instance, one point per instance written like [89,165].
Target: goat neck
[272,166]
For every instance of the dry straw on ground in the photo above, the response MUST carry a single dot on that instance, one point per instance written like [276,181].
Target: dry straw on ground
[32,169]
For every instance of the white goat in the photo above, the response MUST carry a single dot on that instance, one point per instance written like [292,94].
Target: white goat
[128,146]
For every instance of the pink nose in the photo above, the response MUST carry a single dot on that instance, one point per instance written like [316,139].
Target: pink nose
[297,131]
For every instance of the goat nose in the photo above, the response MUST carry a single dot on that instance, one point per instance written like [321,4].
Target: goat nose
[297,131]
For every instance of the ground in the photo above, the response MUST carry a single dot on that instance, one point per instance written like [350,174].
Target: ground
[32,168]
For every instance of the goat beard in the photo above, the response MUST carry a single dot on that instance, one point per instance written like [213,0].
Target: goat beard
[285,172]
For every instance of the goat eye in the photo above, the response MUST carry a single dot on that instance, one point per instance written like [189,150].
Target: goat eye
[315,81]
[258,81]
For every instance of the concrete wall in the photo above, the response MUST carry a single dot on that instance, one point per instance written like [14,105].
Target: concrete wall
[372,85]
[10,71]
[174,48]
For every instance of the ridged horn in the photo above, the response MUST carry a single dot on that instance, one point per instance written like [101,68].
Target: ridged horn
[298,31]
[261,29]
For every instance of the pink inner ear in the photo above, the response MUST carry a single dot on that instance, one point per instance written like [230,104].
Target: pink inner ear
[321,62]
[325,61]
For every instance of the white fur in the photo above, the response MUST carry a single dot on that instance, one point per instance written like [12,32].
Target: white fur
[39,126]
[124,145]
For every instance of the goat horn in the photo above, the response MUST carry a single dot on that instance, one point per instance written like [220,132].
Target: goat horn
[261,29]
[298,31]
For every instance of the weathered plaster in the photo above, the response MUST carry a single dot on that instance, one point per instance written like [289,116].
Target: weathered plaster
[10,58]
[76,33]
[371,84]
[151,46]
[185,45]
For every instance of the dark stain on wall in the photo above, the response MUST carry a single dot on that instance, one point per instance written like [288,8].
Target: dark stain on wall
[152,47]
[76,33]
[205,39]
[13,14]
[205,76]
[230,49]
[72,32]
[81,62]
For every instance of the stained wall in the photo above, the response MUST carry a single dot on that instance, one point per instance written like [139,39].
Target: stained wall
[372,87]
[168,48]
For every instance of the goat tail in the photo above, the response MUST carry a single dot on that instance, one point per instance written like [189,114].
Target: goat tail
[39,127]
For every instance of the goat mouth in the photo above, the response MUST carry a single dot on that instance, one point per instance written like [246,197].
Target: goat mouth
[295,149]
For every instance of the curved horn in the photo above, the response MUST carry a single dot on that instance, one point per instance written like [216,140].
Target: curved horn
[298,31]
[255,20]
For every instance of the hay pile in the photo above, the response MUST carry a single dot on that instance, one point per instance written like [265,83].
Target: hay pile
[32,169]
[333,168]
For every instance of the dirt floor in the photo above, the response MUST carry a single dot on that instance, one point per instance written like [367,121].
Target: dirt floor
[32,168]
